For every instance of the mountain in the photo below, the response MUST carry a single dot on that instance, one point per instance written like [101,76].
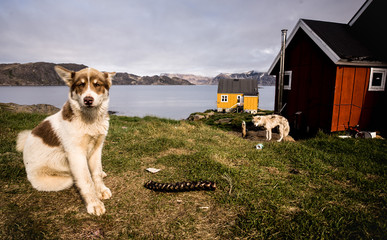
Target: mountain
[194,79]
[43,74]
[263,78]
[131,79]
[33,74]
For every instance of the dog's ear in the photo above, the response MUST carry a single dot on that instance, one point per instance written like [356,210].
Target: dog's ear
[66,75]
[109,77]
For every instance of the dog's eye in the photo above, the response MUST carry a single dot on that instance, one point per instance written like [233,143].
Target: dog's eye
[81,84]
[97,84]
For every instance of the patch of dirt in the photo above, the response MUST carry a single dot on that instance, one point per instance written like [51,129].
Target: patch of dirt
[273,170]
[260,136]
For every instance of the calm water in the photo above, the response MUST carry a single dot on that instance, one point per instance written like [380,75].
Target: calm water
[175,102]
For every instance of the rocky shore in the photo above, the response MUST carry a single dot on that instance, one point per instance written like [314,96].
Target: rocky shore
[35,108]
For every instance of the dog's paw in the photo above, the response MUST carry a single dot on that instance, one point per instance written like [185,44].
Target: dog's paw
[96,207]
[103,174]
[105,193]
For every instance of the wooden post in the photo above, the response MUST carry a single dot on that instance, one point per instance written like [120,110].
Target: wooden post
[281,73]
[244,130]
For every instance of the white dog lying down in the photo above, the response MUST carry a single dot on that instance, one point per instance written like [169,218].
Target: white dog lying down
[66,147]
[271,121]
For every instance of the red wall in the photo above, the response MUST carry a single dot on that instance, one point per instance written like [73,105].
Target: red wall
[312,87]
[329,96]
[354,104]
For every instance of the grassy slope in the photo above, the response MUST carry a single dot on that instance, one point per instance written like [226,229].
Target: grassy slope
[319,188]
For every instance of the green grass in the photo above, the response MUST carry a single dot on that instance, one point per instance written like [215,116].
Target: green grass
[319,188]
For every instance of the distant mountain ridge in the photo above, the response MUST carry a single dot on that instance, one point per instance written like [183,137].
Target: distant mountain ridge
[131,79]
[263,78]
[194,79]
[43,74]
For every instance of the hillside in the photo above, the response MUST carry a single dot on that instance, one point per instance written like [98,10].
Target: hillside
[43,74]
[319,188]
[32,74]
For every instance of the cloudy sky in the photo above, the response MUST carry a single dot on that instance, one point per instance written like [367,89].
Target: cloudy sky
[148,37]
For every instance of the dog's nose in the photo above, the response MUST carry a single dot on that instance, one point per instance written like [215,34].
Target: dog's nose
[88,100]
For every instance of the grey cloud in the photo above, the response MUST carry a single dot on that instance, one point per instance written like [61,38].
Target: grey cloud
[149,37]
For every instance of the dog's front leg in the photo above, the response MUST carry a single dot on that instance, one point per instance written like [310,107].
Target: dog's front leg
[81,174]
[95,165]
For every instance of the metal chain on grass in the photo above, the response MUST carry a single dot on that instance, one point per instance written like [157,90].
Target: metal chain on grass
[181,186]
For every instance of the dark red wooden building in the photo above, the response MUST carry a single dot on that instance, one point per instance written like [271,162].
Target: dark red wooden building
[335,74]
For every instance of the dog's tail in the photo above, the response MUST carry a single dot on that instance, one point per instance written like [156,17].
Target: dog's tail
[21,140]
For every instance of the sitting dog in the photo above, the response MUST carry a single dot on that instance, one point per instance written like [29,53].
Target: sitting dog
[271,121]
[66,147]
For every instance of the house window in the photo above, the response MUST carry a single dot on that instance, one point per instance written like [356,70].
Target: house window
[287,80]
[224,98]
[377,79]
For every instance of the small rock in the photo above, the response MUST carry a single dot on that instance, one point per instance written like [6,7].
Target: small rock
[224,121]
[294,171]
[198,117]
[209,114]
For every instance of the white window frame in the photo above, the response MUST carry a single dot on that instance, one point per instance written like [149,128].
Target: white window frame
[288,87]
[224,98]
[383,71]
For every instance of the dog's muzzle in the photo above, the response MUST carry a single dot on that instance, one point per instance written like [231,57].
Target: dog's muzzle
[88,101]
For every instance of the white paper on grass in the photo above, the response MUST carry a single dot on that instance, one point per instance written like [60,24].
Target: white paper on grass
[153,170]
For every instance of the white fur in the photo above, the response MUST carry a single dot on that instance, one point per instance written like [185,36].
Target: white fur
[271,121]
[78,157]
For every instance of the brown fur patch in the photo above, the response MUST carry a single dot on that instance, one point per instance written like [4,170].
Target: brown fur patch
[98,81]
[46,133]
[67,112]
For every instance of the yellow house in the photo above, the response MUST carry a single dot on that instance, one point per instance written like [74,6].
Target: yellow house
[237,93]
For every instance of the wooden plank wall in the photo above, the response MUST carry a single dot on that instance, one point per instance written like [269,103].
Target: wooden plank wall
[232,100]
[250,103]
[350,93]
[312,87]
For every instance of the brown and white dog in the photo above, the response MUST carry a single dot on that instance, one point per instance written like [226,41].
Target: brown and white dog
[271,121]
[66,147]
